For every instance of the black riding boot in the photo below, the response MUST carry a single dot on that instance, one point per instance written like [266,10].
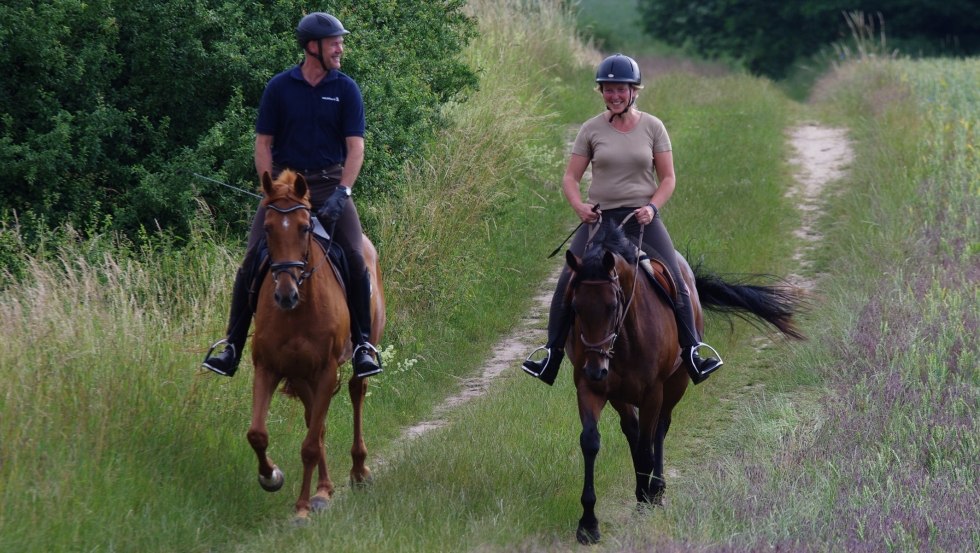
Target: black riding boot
[359,302]
[697,367]
[226,362]
[559,324]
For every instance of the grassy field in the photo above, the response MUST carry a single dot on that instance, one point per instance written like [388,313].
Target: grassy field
[862,439]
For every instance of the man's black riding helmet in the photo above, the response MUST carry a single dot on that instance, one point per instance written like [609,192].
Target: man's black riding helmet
[318,25]
[618,68]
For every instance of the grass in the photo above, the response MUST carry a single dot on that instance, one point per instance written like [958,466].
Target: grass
[863,438]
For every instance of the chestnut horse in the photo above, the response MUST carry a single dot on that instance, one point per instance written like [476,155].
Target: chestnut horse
[302,336]
[615,304]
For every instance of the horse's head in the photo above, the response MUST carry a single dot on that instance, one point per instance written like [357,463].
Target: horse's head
[288,234]
[597,297]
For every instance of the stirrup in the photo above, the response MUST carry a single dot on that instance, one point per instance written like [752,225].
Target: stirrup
[377,355]
[213,347]
[544,362]
[715,357]
[714,352]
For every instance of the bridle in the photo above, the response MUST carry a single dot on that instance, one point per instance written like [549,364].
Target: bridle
[604,347]
[287,267]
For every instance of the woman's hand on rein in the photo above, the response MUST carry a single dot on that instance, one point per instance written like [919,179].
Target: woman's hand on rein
[588,213]
[646,214]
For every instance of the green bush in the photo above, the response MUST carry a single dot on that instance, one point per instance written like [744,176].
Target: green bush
[107,108]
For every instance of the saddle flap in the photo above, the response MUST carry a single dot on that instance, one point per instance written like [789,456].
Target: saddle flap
[657,271]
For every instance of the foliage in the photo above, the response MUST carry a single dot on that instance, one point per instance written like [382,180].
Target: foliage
[768,36]
[106,108]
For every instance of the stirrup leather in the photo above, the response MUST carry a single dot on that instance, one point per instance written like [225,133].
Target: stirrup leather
[544,362]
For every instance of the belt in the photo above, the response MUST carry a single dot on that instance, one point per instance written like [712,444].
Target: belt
[325,173]
[329,172]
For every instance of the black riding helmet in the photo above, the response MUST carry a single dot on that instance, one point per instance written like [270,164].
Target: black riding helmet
[618,68]
[316,26]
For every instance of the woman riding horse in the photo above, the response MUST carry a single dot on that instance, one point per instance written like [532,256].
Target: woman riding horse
[632,176]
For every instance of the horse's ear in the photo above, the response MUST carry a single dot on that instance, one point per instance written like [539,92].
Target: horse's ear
[266,183]
[609,261]
[301,185]
[572,261]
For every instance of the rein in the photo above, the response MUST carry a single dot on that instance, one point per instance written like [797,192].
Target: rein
[285,266]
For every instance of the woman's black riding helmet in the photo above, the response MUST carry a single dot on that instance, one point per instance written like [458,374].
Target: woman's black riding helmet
[618,68]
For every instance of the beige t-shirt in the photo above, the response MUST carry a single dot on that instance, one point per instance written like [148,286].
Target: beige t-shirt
[623,174]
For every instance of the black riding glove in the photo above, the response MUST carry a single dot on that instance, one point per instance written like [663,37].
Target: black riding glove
[333,206]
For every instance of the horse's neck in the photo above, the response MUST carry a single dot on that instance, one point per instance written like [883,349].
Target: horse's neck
[645,304]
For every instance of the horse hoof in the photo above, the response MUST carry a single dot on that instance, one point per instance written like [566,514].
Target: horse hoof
[587,537]
[301,520]
[361,482]
[273,483]
[319,504]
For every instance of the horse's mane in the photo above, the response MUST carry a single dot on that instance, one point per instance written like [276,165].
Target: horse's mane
[608,238]
[284,187]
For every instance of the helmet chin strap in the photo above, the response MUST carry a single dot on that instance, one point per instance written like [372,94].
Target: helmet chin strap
[622,114]
[319,55]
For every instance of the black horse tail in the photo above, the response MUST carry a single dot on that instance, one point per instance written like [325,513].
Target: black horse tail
[775,305]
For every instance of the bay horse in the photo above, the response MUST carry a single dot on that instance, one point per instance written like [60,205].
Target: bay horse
[302,336]
[615,304]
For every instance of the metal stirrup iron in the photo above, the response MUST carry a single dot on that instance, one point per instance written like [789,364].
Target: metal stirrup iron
[715,355]
[544,364]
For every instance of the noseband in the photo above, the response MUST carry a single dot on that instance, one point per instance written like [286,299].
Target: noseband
[604,347]
[286,266]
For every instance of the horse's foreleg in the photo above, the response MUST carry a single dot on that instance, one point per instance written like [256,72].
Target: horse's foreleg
[359,472]
[263,386]
[313,451]
[590,407]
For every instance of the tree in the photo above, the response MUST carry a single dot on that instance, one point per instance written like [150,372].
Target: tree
[106,108]
[767,36]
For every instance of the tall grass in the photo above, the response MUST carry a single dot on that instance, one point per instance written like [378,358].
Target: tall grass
[886,456]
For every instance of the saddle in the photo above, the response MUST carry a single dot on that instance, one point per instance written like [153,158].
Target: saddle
[659,276]
[322,239]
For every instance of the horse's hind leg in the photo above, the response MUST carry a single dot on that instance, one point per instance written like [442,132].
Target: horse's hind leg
[359,472]
[264,384]
[629,423]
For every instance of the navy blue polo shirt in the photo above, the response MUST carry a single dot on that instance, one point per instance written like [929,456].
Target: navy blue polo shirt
[309,124]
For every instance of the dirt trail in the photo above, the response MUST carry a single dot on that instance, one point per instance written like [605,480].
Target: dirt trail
[821,156]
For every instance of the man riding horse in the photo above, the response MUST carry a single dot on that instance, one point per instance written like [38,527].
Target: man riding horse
[311,120]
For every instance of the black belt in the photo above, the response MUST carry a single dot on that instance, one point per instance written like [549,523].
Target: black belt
[325,173]
[330,172]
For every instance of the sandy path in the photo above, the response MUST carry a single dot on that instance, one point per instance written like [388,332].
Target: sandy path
[821,156]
